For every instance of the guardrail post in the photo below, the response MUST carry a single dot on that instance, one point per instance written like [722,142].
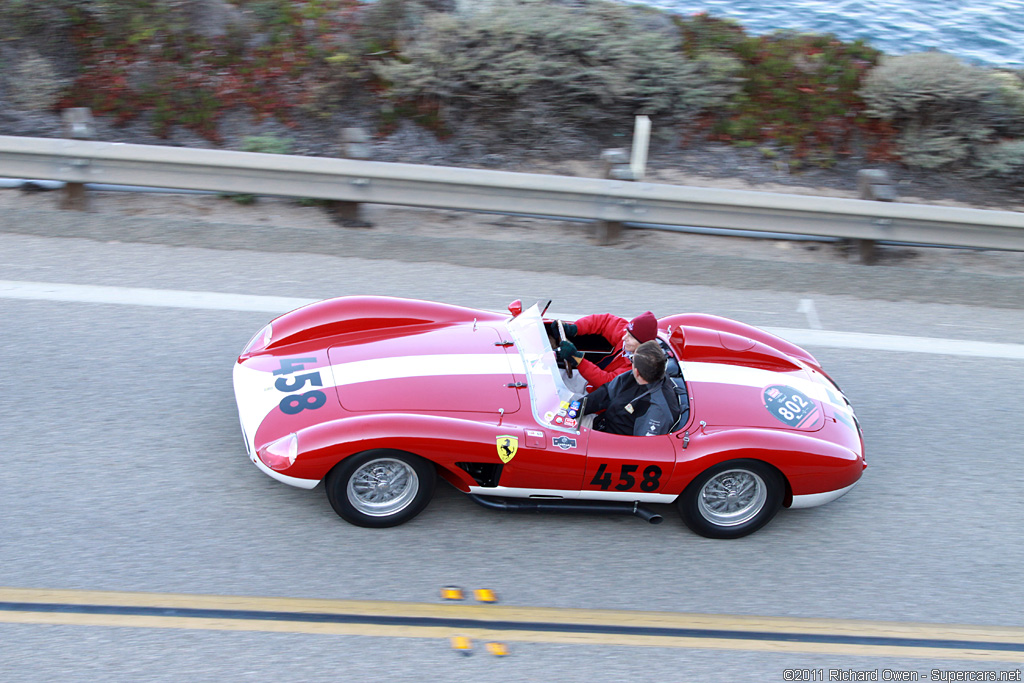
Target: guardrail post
[623,165]
[617,167]
[355,144]
[873,184]
[79,125]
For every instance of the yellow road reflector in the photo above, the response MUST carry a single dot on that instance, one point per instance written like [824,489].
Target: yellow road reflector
[497,649]
[486,595]
[452,593]
[462,644]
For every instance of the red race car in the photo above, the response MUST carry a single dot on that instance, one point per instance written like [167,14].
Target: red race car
[377,396]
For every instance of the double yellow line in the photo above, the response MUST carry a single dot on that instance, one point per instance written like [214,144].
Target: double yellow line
[512,624]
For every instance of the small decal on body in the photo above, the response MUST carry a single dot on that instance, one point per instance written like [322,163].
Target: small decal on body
[563,442]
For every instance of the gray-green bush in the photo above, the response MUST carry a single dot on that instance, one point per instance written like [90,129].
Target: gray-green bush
[945,109]
[32,80]
[263,144]
[1004,158]
[518,63]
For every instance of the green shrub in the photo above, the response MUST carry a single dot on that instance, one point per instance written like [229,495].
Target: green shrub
[516,63]
[266,144]
[263,144]
[32,19]
[1009,101]
[1004,158]
[944,107]
[929,148]
[799,90]
[186,62]
[926,86]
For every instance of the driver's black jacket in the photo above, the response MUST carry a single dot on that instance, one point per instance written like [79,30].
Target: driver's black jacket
[632,408]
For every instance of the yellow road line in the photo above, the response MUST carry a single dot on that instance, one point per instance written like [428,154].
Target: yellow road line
[500,622]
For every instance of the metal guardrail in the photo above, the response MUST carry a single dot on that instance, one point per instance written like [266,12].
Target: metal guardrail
[80,161]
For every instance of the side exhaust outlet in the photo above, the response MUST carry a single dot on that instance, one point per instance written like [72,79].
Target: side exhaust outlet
[534,505]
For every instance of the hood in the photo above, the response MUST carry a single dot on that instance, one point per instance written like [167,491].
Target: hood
[738,395]
[454,368]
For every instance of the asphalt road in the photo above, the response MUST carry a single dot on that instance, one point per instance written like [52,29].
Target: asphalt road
[123,469]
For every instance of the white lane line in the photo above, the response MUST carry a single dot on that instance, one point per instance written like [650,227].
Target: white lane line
[141,296]
[170,298]
[888,342]
[807,308]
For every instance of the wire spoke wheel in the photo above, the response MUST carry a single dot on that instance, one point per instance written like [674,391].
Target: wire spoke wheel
[382,487]
[732,497]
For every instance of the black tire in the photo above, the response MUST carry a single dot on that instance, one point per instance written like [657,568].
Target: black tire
[380,488]
[756,491]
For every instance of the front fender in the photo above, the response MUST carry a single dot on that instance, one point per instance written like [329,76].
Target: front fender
[810,465]
[357,314]
[442,440]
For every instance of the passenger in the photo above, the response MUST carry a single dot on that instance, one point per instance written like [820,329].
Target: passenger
[641,403]
[624,336]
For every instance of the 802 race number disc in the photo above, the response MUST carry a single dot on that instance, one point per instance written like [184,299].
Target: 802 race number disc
[790,406]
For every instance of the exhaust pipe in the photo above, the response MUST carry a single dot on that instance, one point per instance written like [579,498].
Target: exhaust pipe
[551,505]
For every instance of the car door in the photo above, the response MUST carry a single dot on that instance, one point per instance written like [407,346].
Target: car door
[547,462]
[628,467]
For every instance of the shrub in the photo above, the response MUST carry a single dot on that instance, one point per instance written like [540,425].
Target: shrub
[264,144]
[187,61]
[799,90]
[1004,158]
[926,85]
[33,82]
[929,148]
[32,19]
[1009,101]
[515,63]
[944,107]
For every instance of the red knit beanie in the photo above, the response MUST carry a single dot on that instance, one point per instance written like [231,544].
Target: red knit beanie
[644,327]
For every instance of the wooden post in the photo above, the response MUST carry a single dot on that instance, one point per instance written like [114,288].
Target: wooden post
[873,184]
[355,144]
[617,167]
[79,125]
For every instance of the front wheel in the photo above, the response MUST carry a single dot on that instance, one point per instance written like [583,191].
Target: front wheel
[380,488]
[732,499]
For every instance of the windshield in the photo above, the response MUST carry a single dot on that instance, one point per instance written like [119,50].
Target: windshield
[550,400]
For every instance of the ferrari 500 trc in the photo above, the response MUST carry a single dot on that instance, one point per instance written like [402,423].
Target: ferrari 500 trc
[377,397]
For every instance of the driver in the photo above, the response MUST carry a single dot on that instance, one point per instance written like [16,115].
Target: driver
[640,403]
[624,336]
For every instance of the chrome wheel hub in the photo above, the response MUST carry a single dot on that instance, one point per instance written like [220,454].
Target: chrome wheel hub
[732,497]
[383,487]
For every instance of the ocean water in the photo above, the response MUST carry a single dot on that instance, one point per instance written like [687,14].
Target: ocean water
[986,32]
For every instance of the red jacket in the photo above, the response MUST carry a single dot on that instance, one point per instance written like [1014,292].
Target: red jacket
[611,328]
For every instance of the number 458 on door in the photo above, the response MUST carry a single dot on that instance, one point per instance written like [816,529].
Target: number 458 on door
[650,482]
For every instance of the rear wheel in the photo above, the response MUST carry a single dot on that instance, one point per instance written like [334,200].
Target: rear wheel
[380,488]
[732,499]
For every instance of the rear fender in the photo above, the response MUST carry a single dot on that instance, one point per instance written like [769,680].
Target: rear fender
[808,465]
[719,324]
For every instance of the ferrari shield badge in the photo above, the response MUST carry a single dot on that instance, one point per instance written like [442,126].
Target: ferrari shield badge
[507,447]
